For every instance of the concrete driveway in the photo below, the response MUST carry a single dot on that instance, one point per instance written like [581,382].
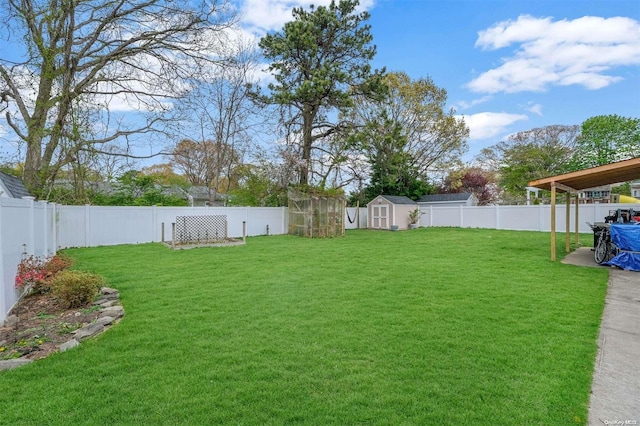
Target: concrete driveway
[615,390]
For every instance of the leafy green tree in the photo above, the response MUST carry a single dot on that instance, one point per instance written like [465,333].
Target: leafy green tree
[136,189]
[530,155]
[606,139]
[258,187]
[321,62]
[482,183]
[164,174]
[392,169]
[11,169]
[405,135]
[436,137]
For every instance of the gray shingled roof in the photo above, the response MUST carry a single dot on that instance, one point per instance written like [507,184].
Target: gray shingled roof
[14,186]
[398,199]
[434,198]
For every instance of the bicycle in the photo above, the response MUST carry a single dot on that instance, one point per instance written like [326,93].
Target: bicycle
[605,249]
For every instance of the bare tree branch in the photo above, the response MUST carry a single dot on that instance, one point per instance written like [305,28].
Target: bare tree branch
[83,55]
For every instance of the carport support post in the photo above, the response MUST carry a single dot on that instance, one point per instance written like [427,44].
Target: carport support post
[553,221]
[567,232]
[577,234]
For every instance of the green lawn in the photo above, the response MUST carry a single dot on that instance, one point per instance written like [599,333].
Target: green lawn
[433,326]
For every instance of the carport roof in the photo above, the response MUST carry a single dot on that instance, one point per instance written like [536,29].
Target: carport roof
[621,171]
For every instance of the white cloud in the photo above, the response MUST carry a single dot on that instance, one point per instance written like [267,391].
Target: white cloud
[270,15]
[534,108]
[486,125]
[566,52]
[468,104]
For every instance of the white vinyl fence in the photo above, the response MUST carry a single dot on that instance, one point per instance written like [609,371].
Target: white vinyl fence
[40,228]
[89,226]
[355,218]
[26,228]
[518,218]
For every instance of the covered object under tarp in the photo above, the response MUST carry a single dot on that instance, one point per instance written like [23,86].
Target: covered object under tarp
[627,239]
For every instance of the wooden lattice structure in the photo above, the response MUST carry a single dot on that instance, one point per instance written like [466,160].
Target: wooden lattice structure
[316,216]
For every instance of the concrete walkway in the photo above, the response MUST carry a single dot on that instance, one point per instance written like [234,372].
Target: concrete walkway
[615,391]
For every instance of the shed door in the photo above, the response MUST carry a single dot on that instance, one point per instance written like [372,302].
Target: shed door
[380,216]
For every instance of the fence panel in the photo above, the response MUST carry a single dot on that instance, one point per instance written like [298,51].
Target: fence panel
[258,218]
[26,227]
[522,218]
[480,217]
[518,218]
[355,218]
[444,216]
[88,226]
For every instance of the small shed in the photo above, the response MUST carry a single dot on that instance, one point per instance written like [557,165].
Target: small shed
[11,186]
[458,199]
[386,211]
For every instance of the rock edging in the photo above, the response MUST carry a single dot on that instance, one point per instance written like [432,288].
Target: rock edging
[110,312]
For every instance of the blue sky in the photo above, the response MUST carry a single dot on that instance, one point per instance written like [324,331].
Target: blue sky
[507,65]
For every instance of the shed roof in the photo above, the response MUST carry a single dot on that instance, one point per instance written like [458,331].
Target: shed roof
[14,186]
[621,171]
[435,198]
[398,199]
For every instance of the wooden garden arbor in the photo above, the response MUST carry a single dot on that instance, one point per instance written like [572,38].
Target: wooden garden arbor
[571,183]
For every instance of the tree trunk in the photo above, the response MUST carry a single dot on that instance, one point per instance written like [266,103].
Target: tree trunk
[307,140]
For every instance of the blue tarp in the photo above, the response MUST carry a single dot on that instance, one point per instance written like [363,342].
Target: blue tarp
[627,239]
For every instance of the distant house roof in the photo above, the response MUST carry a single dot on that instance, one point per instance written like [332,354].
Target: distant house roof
[398,199]
[13,186]
[444,198]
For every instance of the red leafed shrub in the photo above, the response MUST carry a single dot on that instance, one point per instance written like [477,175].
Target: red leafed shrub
[36,272]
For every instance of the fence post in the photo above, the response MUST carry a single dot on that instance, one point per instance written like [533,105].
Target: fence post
[284,216]
[3,285]
[430,216]
[56,227]
[54,230]
[497,216]
[244,231]
[45,230]
[86,224]
[247,216]
[154,223]
[173,235]
[32,237]
[461,217]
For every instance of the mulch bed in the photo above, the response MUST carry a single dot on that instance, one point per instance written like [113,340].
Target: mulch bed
[43,325]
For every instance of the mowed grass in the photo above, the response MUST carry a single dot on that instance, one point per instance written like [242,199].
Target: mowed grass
[433,326]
